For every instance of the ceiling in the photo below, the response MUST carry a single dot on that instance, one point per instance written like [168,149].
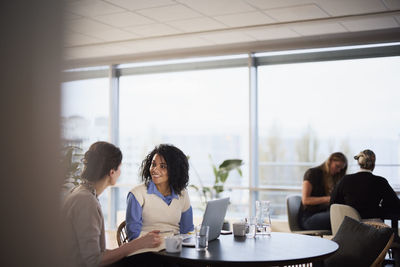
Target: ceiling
[118,31]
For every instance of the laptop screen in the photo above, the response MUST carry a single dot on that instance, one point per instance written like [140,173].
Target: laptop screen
[214,216]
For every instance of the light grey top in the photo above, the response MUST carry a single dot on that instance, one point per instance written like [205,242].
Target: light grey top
[83,218]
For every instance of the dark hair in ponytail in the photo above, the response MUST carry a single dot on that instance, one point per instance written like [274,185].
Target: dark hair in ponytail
[99,160]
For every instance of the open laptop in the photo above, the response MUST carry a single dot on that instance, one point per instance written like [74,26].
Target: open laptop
[213,217]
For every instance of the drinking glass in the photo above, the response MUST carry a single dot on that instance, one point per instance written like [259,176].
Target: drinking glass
[263,217]
[251,227]
[201,236]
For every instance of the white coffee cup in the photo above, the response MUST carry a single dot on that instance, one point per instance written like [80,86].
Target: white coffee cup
[173,244]
[239,228]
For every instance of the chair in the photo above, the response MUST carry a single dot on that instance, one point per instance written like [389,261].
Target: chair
[381,257]
[361,243]
[293,203]
[338,212]
[122,237]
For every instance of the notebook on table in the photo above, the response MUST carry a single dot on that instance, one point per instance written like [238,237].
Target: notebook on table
[214,216]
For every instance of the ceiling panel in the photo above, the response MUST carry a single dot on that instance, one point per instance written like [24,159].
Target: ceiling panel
[355,25]
[296,13]
[227,37]
[103,28]
[124,19]
[349,7]
[245,19]
[392,4]
[140,4]
[218,7]
[157,29]
[87,26]
[197,24]
[92,8]
[114,35]
[263,4]
[170,13]
[72,39]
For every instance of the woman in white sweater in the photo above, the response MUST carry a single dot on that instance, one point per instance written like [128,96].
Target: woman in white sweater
[162,202]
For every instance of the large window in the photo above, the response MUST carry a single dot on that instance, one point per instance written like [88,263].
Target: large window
[85,119]
[345,105]
[204,113]
[309,104]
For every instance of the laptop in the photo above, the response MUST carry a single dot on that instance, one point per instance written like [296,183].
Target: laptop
[213,217]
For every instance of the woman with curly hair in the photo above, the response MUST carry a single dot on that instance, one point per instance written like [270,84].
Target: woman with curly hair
[162,202]
[83,218]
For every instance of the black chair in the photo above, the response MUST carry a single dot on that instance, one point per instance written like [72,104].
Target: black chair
[293,203]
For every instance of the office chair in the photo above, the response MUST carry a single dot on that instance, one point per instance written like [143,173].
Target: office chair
[122,237]
[293,203]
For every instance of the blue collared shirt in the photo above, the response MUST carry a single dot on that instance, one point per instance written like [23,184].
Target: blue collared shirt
[134,220]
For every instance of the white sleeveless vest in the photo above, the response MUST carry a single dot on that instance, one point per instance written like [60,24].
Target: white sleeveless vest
[156,214]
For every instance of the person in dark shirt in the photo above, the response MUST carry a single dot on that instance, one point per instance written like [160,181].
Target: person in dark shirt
[318,184]
[369,194]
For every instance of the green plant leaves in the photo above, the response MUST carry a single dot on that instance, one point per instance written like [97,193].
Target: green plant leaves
[230,164]
[221,174]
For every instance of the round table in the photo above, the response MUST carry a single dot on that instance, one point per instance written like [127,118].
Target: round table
[277,249]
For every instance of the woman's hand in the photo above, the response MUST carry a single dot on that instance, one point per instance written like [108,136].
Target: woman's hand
[151,239]
[307,199]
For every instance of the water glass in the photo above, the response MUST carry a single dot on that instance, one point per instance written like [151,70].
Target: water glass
[251,227]
[201,236]
[263,217]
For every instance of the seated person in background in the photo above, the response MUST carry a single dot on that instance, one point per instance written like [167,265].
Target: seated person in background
[83,218]
[162,202]
[369,194]
[318,184]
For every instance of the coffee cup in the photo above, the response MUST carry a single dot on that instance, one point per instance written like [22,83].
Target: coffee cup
[239,228]
[173,244]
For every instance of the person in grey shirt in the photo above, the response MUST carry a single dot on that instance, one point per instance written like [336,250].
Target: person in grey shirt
[83,218]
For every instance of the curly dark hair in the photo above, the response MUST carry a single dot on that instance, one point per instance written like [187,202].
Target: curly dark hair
[99,160]
[177,166]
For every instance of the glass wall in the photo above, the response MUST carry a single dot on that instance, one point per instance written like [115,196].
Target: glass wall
[307,109]
[345,105]
[204,113]
[85,118]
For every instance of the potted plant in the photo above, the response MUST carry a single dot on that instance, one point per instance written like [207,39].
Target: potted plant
[221,174]
[72,165]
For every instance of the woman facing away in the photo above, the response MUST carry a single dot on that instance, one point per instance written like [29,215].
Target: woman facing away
[369,194]
[85,238]
[162,202]
[318,183]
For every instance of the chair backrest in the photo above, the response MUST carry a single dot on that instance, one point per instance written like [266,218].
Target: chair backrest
[293,203]
[381,257]
[122,237]
[338,212]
